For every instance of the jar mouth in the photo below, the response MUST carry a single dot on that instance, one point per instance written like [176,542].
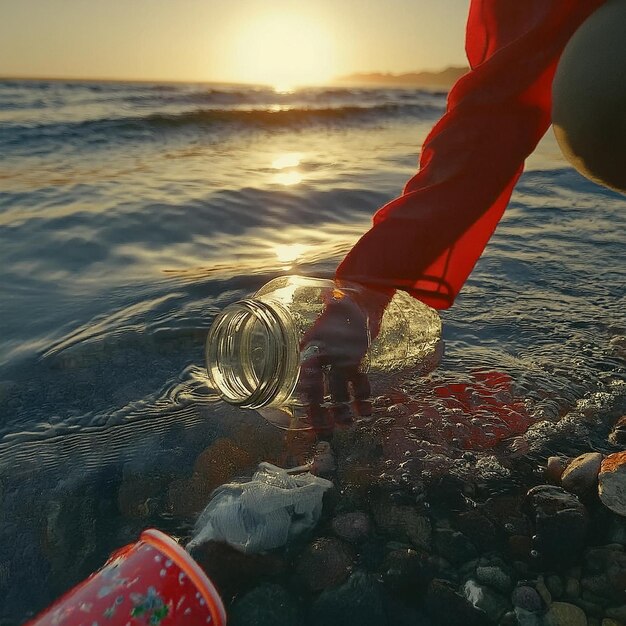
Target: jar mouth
[252,354]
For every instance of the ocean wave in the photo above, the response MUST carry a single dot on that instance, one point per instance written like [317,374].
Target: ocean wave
[275,118]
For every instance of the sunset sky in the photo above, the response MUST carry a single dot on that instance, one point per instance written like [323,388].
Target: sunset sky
[259,41]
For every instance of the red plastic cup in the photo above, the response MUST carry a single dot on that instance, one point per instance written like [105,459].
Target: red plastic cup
[152,582]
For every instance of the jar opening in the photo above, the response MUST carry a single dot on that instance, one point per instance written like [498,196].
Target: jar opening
[252,354]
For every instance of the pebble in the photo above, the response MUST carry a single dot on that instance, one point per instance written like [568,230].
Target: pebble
[618,435]
[526,598]
[266,605]
[581,475]
[555,585]
[565,614]
[605,573]
[324,563]
[478,528]
[555,468]
[561,522]
[612,482]
[406,573]
[526,618]
[617,613]
[494,577]
[353,527]
[445,606]
[357,601]
[454,546]
[572,587]
[406,520]
[482,597]
[543,591]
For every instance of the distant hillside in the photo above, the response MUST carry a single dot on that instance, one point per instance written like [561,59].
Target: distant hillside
[440,80]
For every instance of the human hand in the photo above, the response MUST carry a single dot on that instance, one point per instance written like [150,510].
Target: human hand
[332,383]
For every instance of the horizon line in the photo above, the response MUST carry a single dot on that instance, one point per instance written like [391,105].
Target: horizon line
[54,78]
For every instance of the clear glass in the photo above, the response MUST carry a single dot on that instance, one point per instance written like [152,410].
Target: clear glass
[256,346]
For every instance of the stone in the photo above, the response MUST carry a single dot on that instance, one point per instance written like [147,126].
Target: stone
[445,606]
[478,528]
[581,475]
[406,573]
[405,520]
[605,573]
[232,571]
[454,546]
[555,468]
[565,614]
[612,482]
[266,605]
[324,563]
[527,618]
[527,598]
[555,586]
[572,587]
[561,523]
[353,527]
[607,621]
[483,598]
[222,461]
[520,547]
[617,436]
[357,601]
[543,591]
[617,613]
[494,577]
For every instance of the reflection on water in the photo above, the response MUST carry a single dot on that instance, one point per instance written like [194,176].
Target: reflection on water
[288,178]
[291,159]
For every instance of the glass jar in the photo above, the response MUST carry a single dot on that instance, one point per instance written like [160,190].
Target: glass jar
[256,348]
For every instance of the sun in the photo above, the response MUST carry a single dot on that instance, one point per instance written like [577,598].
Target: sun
[283,50]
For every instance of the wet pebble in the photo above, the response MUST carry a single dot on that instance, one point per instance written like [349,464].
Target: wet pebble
[605,573]
[617,436]
[612,482]
[266,605]
[572,587]
[406,573]
[561,522]
[555,585]
[353,527]
[357,601]
[482,597]
[617,613]
[554,469]
[581,475]
[445,606]
[494,577]
[324,563]
[565,614]
[527,598]
[454,546]
[404,520]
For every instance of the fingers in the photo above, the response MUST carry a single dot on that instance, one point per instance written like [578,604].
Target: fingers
[311,388]
[347,384]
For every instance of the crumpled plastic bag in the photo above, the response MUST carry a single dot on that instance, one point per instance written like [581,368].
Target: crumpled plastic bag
[264,512]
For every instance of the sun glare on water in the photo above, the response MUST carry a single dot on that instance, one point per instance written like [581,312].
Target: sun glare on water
[283,50]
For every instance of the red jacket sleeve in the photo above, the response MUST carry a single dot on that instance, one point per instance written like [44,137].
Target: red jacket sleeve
[428,240]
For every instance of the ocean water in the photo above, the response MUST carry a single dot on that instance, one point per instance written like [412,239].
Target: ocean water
[131,213]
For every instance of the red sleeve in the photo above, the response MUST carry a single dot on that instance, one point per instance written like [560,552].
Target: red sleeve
[428,240]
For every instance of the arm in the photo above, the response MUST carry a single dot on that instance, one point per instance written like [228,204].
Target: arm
[428,240]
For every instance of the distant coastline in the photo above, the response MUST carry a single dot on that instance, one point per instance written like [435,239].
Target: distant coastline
[443,79]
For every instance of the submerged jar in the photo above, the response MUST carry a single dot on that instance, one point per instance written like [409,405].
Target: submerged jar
[258,349]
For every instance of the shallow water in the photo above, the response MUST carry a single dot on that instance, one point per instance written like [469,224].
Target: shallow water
[130,214]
